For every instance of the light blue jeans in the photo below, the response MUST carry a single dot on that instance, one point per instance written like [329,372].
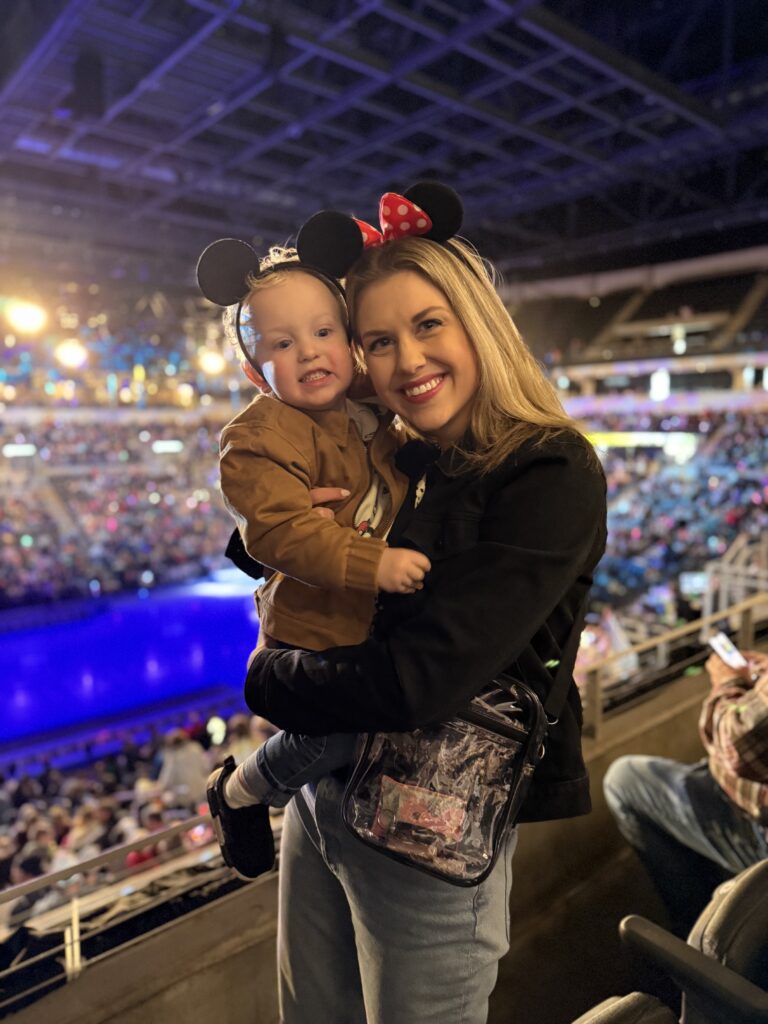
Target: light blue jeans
[289,760]
[363,939]
[684,829]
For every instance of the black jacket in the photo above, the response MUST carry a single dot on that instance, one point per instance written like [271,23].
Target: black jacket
[512,556]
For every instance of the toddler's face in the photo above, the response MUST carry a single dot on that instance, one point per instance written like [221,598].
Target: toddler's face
[300,342]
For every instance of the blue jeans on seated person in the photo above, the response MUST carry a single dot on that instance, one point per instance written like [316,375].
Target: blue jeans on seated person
[685,830]
[287,761]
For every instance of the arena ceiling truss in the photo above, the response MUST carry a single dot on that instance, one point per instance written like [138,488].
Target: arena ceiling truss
[132,132]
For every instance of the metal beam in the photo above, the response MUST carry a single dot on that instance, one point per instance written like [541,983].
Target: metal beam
[404,74]
[682,35]
[673,229]
[51,40]
[151,80]
[257,84]
[684,150]
[544,24]
[335,106]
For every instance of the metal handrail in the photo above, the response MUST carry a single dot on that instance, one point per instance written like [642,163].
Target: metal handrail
[594,710]
[681,631]
[109,857]
[71,947]
[73,962]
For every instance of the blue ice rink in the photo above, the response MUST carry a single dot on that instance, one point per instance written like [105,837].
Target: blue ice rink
[128,653]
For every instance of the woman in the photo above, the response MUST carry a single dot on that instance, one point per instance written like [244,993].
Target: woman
[507,501]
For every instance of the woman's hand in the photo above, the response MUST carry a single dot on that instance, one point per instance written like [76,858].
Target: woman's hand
[320,495]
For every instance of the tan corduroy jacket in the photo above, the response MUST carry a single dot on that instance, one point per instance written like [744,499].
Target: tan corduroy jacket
[324,590]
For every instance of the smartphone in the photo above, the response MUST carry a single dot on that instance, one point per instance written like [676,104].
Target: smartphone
[725,648]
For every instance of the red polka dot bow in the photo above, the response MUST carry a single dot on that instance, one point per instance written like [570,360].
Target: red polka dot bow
[399,218]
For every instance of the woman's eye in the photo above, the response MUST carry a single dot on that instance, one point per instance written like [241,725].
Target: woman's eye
[428,325]
[377,343]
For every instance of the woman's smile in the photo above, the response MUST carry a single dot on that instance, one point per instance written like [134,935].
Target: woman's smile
[423,390]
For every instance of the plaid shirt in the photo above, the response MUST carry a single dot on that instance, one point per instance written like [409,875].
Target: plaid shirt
[734,730]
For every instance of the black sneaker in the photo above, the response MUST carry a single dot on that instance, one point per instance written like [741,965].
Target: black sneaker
[244,835]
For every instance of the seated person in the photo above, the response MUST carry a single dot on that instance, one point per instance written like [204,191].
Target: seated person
[692,825]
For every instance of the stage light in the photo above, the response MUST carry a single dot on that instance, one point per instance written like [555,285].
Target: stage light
[660,386]
[210,361]
[25,317]
[18,450]
[71,353]
[185,393]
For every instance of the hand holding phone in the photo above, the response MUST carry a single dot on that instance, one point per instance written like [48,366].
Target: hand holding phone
[725,648]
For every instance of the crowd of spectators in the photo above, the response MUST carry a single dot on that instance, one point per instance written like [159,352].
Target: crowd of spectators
[65,443]
[38,561]
[143,531]
[667,517]
[103,510]
[55,819]
[130,516]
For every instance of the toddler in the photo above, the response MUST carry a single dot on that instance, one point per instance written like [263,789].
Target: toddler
[302,432]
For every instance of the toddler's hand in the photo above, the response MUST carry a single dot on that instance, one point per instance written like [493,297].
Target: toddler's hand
[402,571]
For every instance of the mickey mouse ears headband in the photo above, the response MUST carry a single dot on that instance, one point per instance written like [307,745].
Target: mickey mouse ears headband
[330,242]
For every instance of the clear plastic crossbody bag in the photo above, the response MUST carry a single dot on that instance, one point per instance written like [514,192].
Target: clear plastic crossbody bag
[441,799]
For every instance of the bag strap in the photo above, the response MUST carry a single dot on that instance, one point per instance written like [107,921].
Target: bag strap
[556,697]
[553,705]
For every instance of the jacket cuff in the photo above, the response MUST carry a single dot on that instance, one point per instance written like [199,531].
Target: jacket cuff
[363,563]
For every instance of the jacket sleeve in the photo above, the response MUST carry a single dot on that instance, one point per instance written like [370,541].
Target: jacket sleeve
[482,608]
[734,727]
[265,482]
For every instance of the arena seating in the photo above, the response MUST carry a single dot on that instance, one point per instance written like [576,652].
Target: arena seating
[722,971]
[107,508]
[52,818]
[123,516]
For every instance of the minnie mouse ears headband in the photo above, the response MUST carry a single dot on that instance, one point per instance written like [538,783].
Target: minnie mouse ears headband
[330,242]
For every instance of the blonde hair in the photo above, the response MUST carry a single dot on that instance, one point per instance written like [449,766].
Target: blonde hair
[277,254]
[515,402]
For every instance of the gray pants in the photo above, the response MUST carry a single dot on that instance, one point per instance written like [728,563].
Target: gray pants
[363,939]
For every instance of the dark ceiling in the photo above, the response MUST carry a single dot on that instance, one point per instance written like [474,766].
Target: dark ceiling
[580,133]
